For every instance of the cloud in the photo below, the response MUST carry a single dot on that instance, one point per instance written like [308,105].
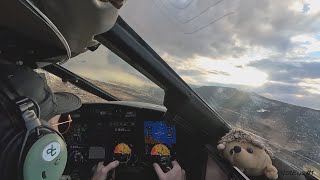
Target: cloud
[268,47]
[265,24]
[292,80]
[311,85]
[296,94]
[289,70]
[260,42]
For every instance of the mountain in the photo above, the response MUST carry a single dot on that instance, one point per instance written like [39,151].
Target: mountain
[292,131]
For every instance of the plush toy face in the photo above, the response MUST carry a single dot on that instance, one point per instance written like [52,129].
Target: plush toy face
[246,157]
[250,155]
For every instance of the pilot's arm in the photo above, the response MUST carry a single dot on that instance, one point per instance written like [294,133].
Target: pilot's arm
[101,171]
[176,173]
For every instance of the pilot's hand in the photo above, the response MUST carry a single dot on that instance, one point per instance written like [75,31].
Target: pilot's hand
[101,171]
[176,173]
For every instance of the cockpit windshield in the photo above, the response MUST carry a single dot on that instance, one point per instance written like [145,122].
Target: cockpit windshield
[255,62]
[113,75]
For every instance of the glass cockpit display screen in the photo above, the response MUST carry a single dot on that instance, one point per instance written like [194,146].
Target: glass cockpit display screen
[159,132]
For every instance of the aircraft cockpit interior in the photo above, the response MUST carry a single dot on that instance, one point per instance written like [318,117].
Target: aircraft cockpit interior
[163,81]
[136,136]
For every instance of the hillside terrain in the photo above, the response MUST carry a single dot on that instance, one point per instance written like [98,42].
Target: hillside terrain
[292,131]
[121,91]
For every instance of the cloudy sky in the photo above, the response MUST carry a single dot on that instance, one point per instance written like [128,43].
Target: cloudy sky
[268,47]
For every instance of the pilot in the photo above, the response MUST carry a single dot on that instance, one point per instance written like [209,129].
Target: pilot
[52,106]
[64,28]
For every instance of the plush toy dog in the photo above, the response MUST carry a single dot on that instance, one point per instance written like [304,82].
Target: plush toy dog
[247,153]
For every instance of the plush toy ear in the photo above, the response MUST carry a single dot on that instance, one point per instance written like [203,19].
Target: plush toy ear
[221,146]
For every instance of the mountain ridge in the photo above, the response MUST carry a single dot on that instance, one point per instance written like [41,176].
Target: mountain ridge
[253,93]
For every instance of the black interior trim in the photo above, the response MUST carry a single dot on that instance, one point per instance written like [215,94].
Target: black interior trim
[68,76]
[204,166]
[128,45]
[17,48]
[225,166]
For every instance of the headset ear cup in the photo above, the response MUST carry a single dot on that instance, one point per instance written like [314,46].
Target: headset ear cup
[46,158]
[45,155]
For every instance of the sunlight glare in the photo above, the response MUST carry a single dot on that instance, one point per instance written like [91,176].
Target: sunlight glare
[231,72]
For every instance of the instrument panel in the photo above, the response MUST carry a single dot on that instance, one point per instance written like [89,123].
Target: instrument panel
[135,135]
[132,135]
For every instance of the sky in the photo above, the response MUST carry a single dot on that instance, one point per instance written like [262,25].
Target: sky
[268,47]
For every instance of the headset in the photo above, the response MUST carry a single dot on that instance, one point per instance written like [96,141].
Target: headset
[43,154]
